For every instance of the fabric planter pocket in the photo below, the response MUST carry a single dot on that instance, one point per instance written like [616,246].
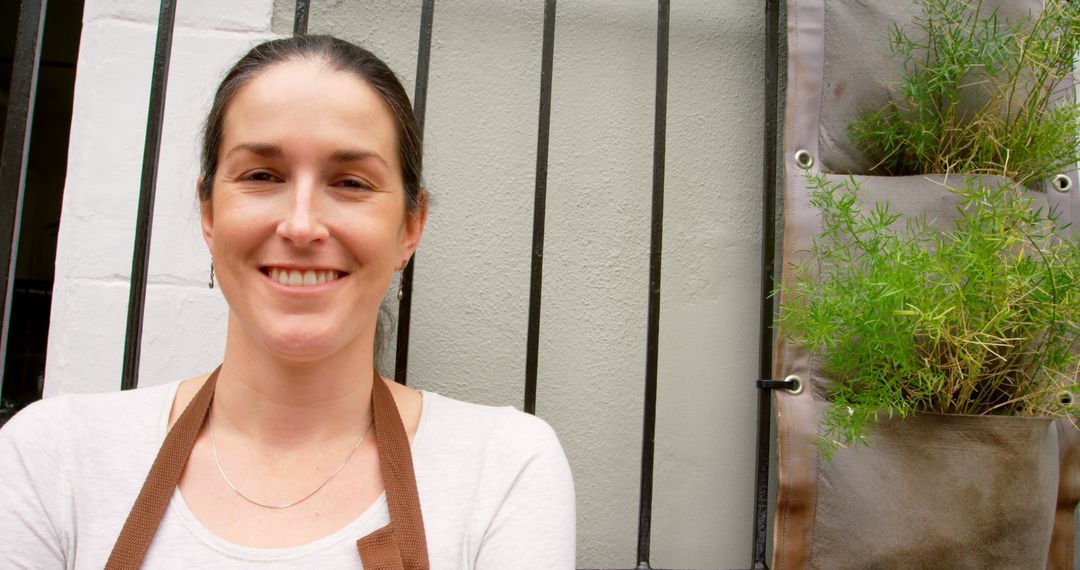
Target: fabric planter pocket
[929,491]
[940,491]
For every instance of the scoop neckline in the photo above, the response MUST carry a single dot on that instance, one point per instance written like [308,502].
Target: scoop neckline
[350,530]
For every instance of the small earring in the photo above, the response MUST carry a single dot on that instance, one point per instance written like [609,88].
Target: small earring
[211,284]
[401,282]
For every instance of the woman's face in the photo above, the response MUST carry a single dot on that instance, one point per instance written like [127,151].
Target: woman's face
[307,220]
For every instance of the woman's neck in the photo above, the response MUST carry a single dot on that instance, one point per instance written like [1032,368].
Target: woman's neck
[286,403]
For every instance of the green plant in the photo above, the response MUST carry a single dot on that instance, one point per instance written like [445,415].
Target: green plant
[903,316]
[979,94]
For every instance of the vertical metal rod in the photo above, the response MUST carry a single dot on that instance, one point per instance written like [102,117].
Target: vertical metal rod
[655,247]
[300,17]
[423,59]
[147,189]
[536,277]
[16,152]
[768,253]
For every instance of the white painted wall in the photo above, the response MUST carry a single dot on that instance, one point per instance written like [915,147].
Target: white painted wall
[472,275]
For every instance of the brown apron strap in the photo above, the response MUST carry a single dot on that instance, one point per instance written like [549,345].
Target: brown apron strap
[401,545]
[157,490]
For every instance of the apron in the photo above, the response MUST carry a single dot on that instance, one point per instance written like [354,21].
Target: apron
[400,545]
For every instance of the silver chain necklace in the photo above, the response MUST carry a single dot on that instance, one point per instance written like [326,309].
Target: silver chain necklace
[213,446]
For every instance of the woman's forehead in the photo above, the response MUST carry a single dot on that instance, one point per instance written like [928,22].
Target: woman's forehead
[306,105]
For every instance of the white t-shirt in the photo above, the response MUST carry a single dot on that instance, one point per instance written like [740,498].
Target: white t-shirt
[495,490]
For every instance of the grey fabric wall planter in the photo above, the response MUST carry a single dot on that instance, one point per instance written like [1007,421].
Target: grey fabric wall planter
[932,491]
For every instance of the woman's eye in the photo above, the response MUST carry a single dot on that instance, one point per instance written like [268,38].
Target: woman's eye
[260,176]
[354,183]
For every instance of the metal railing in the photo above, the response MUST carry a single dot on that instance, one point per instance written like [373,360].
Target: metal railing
[12,186]
[144,218]
[423,59]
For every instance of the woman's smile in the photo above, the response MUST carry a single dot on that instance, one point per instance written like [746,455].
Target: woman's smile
[299,277]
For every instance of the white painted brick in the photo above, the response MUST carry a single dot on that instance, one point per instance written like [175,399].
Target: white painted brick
[86,336]
[183,334]
[94,249]
[105,152]
[232,15]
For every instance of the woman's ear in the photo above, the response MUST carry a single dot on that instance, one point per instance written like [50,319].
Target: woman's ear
[206,214]
[414,225]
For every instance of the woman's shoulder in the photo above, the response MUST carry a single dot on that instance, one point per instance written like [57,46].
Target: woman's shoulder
[91,415]
[75,441]
[500,435]
[502,423]
[480,467]
[72,456]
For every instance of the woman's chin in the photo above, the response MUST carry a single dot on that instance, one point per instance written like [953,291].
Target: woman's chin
[304,346]
[302,352]
[301,338]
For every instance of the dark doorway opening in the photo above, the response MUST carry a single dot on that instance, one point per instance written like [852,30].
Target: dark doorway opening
[24,365]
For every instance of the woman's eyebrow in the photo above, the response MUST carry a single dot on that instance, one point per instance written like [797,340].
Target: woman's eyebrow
[265,150]
[350,155]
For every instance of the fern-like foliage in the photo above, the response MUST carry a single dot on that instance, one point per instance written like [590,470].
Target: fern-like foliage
[981,318]
[979,94]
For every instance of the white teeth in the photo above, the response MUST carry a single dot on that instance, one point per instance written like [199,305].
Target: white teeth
[297,278]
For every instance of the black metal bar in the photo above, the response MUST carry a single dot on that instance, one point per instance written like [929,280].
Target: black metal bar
[147,189]
[300,17]
[777,384]
[653,321]
[423,59]
[768,254]
[536,277]
[16,151]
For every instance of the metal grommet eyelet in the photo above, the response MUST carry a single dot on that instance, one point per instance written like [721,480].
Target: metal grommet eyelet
[803,159]
[1062,183]
[798,385]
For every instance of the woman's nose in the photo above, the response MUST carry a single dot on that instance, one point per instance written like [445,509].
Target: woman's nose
[302,223]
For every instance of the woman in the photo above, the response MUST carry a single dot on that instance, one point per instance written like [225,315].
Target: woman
[294,453]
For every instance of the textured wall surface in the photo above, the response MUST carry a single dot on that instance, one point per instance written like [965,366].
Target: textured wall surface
[472,273]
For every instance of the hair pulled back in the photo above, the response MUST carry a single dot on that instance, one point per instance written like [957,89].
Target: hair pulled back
[335,54]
